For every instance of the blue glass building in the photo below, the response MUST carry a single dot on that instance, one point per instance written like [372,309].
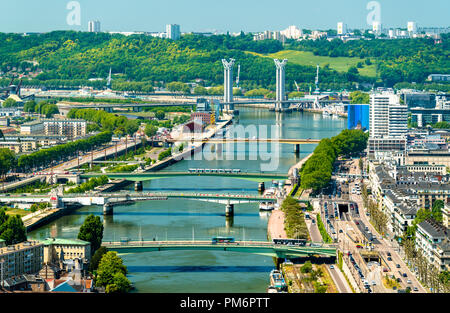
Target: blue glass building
[358,113]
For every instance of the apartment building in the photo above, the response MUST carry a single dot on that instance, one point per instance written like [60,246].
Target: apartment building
[432,239]
[23,258]
[72,128]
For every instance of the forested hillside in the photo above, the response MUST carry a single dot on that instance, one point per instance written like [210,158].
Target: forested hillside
[400,60]
[71,58]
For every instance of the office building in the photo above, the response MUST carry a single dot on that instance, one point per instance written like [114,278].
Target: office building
[56,249]
[341,28]
[398,120]
[358,114]
[424,117]
[173,31]
[419,99]
[412,27]
[22,258]
[94,26]
[439,77]
[376,27]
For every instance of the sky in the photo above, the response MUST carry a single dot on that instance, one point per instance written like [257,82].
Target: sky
[216,15]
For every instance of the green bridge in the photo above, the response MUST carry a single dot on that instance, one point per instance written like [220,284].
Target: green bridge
[255,247]
[256,177]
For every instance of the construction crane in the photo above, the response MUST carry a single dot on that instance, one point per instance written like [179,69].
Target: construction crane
[238,74]
[296,85]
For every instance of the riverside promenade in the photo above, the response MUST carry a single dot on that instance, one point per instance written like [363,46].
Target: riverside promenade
[275,225]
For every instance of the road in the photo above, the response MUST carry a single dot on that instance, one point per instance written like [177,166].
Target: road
[384,246]
[339,279]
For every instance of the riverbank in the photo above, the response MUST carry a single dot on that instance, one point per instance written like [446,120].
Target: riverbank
[196,147]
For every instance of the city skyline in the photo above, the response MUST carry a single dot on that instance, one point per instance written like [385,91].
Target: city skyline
[202,15]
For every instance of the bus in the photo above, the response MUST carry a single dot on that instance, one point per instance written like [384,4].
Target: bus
[289,242]
[215,240]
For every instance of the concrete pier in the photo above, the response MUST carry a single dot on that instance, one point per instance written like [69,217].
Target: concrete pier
[229,210]
[297,149]
[229,221]
[261,187]
[108,209]
[138,186]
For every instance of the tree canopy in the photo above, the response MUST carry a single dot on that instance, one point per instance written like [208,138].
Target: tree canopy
[92,231]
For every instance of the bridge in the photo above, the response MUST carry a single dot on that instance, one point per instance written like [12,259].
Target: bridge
[144,176]
[255,247]
[252,140]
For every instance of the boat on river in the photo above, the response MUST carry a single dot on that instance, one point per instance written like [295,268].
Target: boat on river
[277,280]
[266,206]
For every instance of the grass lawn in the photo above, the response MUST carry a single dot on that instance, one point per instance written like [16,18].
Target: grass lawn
[340,64]
[17,211]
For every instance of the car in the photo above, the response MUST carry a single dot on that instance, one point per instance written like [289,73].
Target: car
[373,283]
[332,267]
[416,289]
[409,281]
[359,246]
[404,275]
[398,266]
[340,230]
[356,222]
[388,254]
[389,258]
[385,270]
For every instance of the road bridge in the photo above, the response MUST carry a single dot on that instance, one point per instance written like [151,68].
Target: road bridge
[255,247]
[253,140]
[144,176]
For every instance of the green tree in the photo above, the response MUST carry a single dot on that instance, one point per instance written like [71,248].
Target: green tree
[436,210]
[200,90]
[29,106]
[160,115]
[150,130]
[111,273]
[92,231]
[358,97]
[96,258]
[9,103]
[12,229]
[306,268]
[7,161]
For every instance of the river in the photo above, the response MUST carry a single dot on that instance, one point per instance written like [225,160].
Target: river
[204,271]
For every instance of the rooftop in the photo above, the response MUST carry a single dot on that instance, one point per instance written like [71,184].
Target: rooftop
[433,228]
[62,241]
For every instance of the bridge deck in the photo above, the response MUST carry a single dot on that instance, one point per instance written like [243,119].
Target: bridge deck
[255,247]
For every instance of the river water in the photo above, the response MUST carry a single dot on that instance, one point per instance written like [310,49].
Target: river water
[205,271]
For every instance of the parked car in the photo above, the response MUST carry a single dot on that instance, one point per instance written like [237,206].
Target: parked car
[398,266]
[332,267]
[416,289]
[389,258]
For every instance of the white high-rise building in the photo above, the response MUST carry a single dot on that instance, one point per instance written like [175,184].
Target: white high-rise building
[386,115]
[292,32]
[398,120]
[341,28]
[94,26]
[173,31]
[376,27]
[412,27]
